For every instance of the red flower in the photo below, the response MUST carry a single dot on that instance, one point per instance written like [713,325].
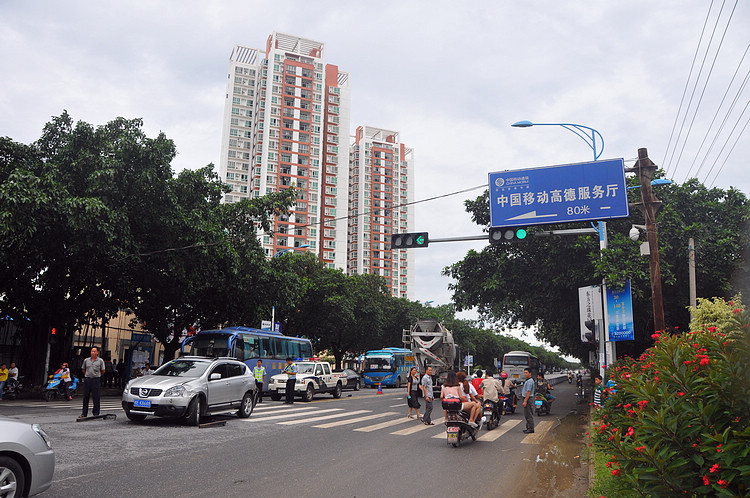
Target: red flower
[718,449]
[640,448]
[642,403]
[704,361]
[706,482]
[630,432]
[627,406]
[680,393]
[737,310]
[608,464]
[714,468]
[687,362]
[655,336]
[722,483]
[616,472]
[712,329]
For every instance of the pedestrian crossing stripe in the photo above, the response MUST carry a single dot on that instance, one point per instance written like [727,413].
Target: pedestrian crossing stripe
[308,411]
[419,427]
[383,425]
[283,410]
[353,420]
[493,435]
[325,417]
[540,431]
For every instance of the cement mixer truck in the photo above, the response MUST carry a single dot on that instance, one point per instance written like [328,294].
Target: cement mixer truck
[433,346]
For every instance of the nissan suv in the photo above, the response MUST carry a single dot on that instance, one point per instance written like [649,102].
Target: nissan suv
[192,387]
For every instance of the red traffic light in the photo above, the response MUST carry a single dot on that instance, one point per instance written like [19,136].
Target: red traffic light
[53,331]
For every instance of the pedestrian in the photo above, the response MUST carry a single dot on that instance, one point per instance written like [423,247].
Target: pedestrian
[12,374]
[477,381]
[260,378]
[291,378]
[528,401]
[147,368]
[67,380]
[122,372]
[598,391]
[3,378]
[93,369]
[107,377]
[412,392]
[113,373]
[426,385]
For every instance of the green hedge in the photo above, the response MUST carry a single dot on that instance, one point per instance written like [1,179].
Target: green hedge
[678,419]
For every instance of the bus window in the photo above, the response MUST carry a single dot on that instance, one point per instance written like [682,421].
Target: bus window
[266,350]
[240,349]
[280,347]
[252,346]
[305,350]
[293,349]
[215,345]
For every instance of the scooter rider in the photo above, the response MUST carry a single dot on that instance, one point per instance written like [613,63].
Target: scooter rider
[508,385]
[543,387]
[451,390]
[490,387]
[468,390]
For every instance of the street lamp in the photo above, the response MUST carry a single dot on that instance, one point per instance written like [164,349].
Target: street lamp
[282,251]
[588,135]
[585,133]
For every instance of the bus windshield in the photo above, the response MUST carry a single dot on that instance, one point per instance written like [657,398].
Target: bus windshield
[378,364]
[516,360]
[214,345]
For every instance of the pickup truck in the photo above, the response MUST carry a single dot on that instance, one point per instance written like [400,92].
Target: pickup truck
[313,377]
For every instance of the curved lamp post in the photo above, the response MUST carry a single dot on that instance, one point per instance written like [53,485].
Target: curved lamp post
[282,251]
[585,133]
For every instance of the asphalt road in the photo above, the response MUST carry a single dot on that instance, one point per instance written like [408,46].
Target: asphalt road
[361,445]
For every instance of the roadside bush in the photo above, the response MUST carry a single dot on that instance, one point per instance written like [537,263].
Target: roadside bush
[678,421]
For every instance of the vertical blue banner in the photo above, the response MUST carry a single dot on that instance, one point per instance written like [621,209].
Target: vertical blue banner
[620,314]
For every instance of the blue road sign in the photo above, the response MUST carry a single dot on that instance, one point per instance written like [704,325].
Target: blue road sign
[558,194]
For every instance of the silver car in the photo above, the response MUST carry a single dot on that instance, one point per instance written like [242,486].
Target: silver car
[191,387]
[27,461]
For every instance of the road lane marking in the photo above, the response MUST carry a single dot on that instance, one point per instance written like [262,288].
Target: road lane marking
[285,410]
[353,420]
[400,405]
[325,417]
[383,425]
[419,427]
[290,415]
[541,430]
[499,431]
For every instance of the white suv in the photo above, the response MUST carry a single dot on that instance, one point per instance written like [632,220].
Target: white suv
[192,387]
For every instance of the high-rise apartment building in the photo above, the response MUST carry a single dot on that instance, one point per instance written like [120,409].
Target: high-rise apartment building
[286,123]
[381,189]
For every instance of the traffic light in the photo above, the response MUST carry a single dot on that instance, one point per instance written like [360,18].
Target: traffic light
[504,234]
[409,240]
[591,336]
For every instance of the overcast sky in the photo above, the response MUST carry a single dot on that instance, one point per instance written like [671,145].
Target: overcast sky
[450,76]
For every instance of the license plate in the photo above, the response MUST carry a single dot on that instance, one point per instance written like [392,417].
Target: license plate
[452,436]
[143,403]
[487,413]
[281,391]
[452,429]
[538,402]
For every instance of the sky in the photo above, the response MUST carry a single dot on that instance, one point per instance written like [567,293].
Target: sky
[450,76]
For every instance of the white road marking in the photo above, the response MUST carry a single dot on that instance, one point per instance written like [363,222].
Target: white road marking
[285,410]
[290,415]
[540,430]
[383,425]
[419,427]
[492,435]
[325,417]
[353,420]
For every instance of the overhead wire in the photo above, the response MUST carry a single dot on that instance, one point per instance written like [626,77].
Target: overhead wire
[695,87]
[718,109]
[705,85]
[729,153]
[727,141]
[687,84]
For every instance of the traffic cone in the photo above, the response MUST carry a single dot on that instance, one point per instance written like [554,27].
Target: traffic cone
[380,388]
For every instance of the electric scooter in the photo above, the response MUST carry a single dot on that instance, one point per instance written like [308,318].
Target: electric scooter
[56,388]
[457,423]
[491,412]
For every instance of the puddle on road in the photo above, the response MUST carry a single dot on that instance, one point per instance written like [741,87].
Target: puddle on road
[561,466]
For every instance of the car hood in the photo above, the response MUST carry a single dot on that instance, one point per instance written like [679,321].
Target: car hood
[160,381]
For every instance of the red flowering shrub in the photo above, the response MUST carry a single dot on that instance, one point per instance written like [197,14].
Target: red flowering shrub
[689,433]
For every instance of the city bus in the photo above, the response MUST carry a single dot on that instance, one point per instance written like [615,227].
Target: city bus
[388,367]
[514,362]
[249,345]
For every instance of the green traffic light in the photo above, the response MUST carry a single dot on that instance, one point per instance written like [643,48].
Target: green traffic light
[521,233]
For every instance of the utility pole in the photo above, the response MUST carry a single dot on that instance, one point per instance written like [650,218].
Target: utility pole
[649,206]
[691,266]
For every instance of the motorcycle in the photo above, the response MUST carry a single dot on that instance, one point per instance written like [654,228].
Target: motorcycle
[491,412]
[570,378]
[579,385]
[508,403]
[56,388]
[12,388]
[457,424]
[542,405]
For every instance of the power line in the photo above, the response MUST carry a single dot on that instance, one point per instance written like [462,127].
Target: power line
[705,85]
[729,154]
[695,87]
[687,83]
[727,141]
[708,130]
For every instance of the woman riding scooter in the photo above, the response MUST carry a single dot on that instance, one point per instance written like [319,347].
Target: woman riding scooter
[451,391]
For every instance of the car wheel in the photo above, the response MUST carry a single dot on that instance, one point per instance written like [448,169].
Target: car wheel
[247,405]
[275,396]
[337,391]
[309,393]
[357,385]
[193,416]
[12,479]
[398,382]
[135,417]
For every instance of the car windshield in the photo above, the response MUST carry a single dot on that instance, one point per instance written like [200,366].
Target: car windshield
[183,368]
[377,363]
[305,368]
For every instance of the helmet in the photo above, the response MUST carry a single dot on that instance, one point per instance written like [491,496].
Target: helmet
[503,375]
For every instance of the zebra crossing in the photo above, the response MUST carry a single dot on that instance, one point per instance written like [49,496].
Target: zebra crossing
[74,404]
[391,422]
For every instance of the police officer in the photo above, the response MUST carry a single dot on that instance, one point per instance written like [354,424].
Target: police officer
[291,371]
[260,377]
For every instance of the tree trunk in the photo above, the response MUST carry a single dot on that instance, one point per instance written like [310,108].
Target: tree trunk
[338,355]
[169,349]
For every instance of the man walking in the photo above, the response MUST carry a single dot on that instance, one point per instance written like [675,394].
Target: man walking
[93,369]
[426,385]
[528,401]
[3,378]
[291,371]
[260,377]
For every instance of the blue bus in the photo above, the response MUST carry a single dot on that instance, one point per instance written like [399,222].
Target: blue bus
[249,345]
[388,366]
